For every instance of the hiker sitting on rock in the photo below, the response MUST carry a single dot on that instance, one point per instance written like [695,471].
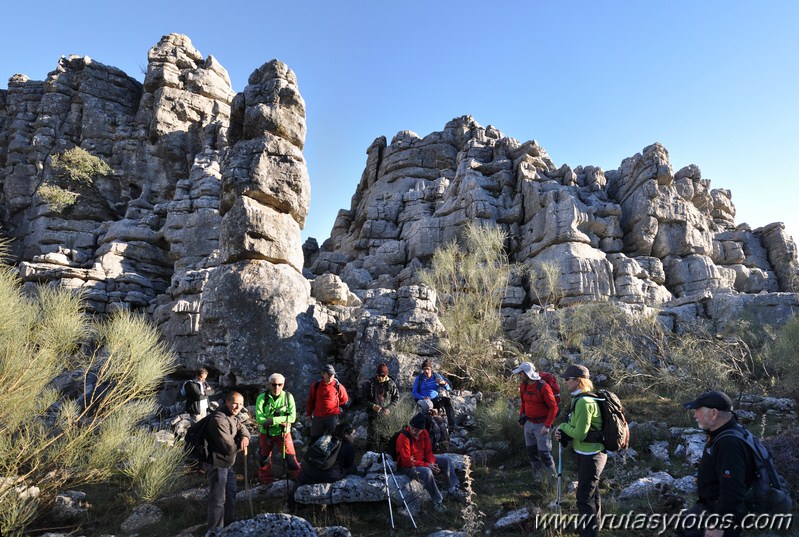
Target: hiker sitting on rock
[434,387]
[339,461]
[435,425]
[275,411]
[415,459]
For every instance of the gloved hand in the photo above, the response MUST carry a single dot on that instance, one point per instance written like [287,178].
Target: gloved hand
[564,439]
[522,420]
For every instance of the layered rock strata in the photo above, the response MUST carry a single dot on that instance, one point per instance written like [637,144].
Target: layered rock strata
[641,234]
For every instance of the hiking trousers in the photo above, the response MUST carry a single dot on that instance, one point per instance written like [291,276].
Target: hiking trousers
[275,444]
[427,478]
[589,504]
[221,497]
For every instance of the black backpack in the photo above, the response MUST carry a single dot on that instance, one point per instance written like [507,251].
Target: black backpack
[323,453]
[391,448]
[615,433]
[197,441]
[768,493]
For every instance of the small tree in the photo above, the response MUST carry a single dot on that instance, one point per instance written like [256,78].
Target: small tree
[79,166]
[53,443]
[75,170]
[470,279]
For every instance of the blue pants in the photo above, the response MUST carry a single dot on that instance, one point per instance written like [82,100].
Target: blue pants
[427,479]
[222,496]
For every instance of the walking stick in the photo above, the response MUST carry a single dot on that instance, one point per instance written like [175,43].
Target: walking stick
[247,485]
[560,476]
[399,489]
[388,491]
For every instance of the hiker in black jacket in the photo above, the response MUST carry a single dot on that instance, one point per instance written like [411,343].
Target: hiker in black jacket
[726,469]
[197,392]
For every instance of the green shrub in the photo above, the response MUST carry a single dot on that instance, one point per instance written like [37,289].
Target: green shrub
[56,197]
[498,419]
[78,165]
[780,357]
[55,443]
[470,279]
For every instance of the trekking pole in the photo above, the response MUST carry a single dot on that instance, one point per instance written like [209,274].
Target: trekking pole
[388,491]
[560,477]
[247,485]
[399,489]
[285,467]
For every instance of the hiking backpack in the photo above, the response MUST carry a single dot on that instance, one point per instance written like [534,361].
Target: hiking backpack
[196,440]
[391,447]
[615,434]
[768,493]
[323,453]
[552,380]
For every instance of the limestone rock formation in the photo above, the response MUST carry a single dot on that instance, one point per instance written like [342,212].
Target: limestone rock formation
[192,163]
[641,234]
[198,222]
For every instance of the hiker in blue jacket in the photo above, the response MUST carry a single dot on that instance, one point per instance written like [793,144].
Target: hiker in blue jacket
[435,388]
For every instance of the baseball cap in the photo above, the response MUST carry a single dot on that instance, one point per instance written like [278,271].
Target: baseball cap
[382,369]
[528,369]
[329,369]
[576,371]
[714,399]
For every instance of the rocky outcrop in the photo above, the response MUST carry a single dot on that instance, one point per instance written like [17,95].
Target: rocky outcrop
[641,234]
[198,222]
[255,305]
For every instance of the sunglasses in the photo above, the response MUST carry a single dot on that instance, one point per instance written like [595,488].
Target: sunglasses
[277,384]
[570,378]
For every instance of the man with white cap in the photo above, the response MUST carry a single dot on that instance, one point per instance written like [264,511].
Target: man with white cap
[536,416]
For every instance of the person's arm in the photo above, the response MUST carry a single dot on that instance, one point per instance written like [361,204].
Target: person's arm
[439,378]
[521,398]
[393,393]
[417,388]
[552,406]
[427,448]
[580,422]
[309,404]
[343,398]
[261,409]
[404,454]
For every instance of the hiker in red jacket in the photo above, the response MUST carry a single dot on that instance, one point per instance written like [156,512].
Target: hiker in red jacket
[536,416]
[326,401]
[415,459]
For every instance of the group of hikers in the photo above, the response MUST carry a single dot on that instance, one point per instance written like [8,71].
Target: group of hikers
[724,475]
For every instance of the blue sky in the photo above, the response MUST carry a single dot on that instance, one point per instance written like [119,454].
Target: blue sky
[716,82]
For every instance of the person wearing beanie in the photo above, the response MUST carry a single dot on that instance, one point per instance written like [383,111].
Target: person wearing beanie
[727,467]
[415,459]
[435,388]
[381,395]
[327,399]
[584,416]
[536,417]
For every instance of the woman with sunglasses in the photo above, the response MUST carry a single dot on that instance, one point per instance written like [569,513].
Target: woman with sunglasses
[584,417]
[275,411]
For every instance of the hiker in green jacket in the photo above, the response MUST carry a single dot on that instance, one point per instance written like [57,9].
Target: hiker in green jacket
[275,411]
[583,418]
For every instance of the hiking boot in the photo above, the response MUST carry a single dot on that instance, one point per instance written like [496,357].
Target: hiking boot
[459,495]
